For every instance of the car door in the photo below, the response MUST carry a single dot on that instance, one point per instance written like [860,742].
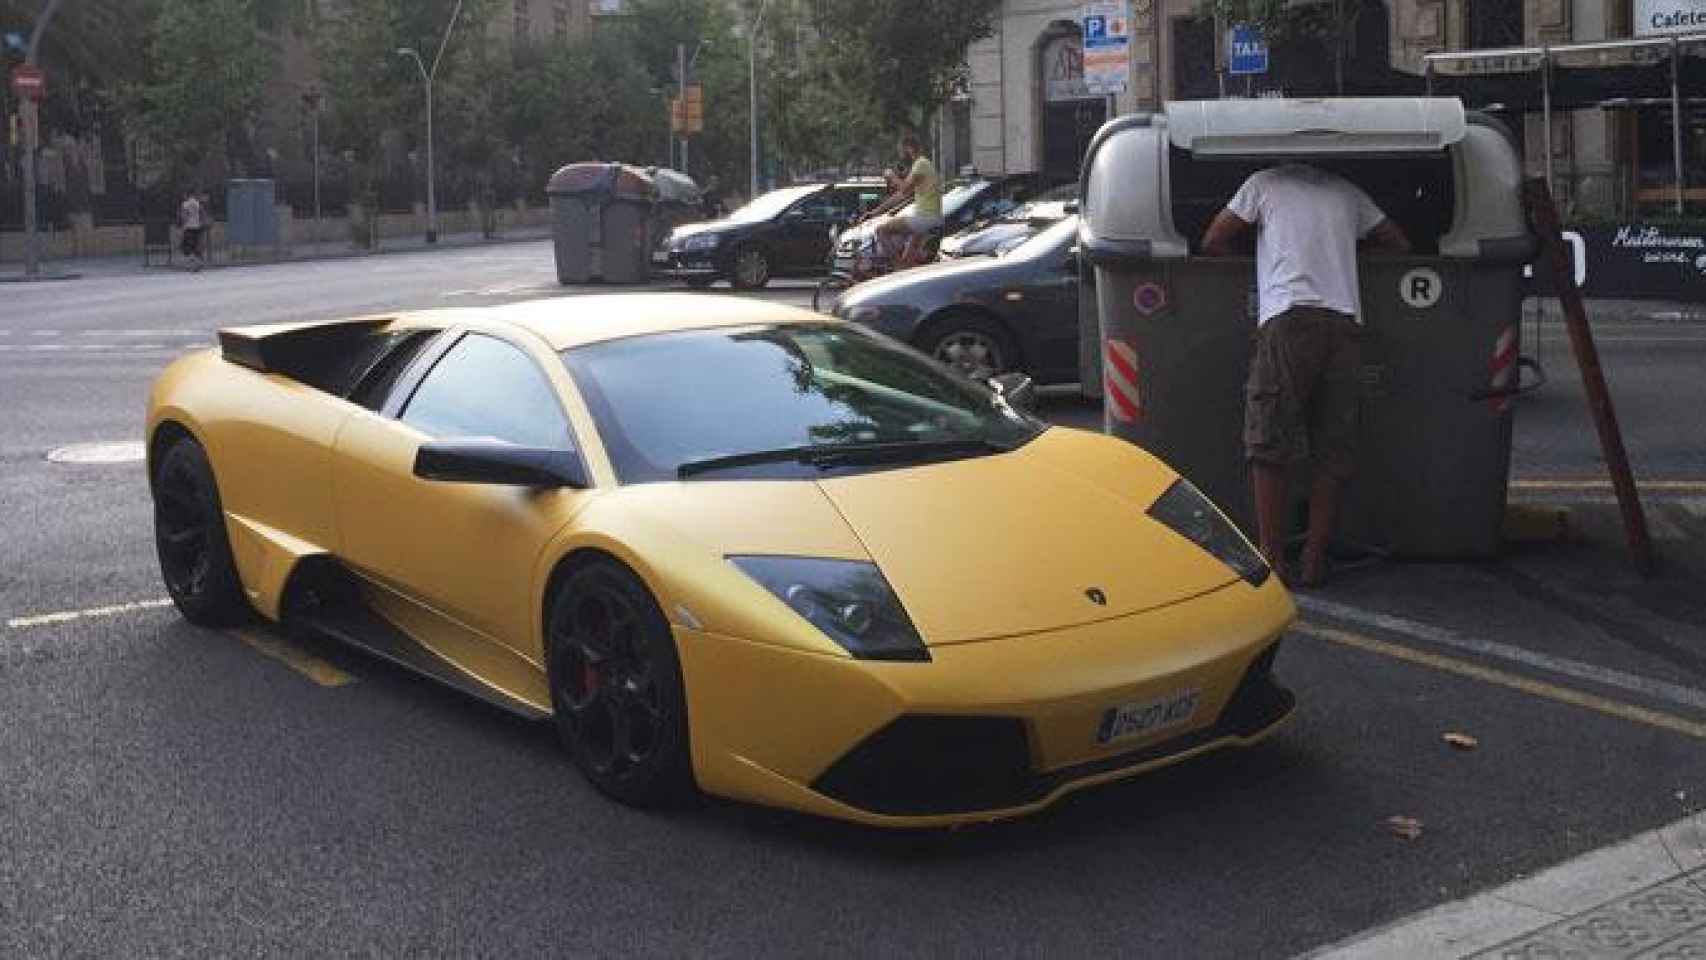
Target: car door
[1049,303]
[457,559]
[804,233]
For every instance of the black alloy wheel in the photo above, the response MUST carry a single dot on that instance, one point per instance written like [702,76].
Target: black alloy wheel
[752,269]
[190,539]
[616,686]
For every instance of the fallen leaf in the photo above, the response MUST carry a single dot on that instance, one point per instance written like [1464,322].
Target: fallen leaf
[1404,828]
[1462,741]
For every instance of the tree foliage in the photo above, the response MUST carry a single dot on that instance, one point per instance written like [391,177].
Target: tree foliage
[909,54]
[206,70]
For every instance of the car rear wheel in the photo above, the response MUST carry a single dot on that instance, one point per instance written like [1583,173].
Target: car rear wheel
[752,269]
[975,346]
[190,539]
[616,686]
[827,297]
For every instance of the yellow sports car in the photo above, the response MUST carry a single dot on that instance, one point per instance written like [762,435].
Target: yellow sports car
[723,545]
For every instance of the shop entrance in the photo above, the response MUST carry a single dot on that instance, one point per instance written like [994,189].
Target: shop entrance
[1071,115]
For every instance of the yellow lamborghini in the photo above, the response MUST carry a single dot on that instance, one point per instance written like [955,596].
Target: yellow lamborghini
[722,545]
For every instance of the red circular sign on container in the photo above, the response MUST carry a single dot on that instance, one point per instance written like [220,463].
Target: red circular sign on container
[1149,298]
[28,82]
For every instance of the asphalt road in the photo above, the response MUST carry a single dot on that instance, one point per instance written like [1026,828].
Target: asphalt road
[167,790]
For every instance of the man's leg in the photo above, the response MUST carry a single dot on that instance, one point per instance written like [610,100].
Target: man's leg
[1333,428]
[1269,482]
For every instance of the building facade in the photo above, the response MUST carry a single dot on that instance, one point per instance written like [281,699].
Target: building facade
[1026,107]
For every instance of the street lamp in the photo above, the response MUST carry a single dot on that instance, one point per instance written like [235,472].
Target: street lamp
[752,91]
[427,76]
[311,100]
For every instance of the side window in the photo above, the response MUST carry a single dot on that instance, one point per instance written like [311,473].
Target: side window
[484,387]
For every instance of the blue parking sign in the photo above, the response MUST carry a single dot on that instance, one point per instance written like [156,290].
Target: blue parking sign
[1095,28]
[1248,51]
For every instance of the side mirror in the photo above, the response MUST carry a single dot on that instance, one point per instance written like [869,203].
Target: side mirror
[1017,389]
[496,462]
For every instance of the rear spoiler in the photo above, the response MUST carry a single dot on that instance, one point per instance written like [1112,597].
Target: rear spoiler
[278,347]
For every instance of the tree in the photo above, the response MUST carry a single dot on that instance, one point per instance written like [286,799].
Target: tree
[907,54]
[206,68]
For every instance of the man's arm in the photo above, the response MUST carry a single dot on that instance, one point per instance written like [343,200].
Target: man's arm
[1386,237]
[1225,235]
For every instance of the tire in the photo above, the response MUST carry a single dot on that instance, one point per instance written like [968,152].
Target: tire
[191,541]
[751,269]
[616,687]
[976,346]
[827,297]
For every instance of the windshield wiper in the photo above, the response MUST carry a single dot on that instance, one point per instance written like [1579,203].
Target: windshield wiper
[827,455]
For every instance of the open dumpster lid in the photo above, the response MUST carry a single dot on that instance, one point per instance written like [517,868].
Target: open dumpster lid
[1320,127]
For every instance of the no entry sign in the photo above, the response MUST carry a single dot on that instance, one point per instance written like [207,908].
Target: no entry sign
[28,82]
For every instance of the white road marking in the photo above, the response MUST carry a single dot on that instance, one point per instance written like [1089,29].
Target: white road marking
[1646,686]
[66,616]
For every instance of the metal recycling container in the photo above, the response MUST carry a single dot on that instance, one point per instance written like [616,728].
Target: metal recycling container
[250,217]
[1172,333]
[599,214]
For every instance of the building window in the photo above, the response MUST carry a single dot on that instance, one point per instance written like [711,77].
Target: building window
[1492,23]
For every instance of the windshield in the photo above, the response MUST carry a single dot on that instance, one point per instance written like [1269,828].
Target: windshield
[1053,239]
[953,200]
[696,399]
[770,205]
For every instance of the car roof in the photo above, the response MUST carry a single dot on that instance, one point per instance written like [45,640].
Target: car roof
[573,321]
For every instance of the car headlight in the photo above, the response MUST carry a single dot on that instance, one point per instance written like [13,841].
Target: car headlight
[703,241]
[846,599]
[1185,511]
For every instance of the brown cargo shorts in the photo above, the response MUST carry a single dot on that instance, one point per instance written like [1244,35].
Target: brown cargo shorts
[1301,400]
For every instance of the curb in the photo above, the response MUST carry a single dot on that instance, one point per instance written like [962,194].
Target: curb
[1644,894]
[353,254]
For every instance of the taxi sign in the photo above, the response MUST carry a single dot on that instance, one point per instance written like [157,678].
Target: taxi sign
[28,82]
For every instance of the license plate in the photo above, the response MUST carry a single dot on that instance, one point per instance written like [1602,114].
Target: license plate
[845,263]
[1141,718]
[660,256]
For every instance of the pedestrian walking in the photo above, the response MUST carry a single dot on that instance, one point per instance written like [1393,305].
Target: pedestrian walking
[1301,399]
[192,219]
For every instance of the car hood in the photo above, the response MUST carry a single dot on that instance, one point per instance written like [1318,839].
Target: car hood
[709,226]
[970,273]
[984,240]
[1015,543]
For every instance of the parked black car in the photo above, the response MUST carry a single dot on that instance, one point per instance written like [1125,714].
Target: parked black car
[785,232]
[986,315]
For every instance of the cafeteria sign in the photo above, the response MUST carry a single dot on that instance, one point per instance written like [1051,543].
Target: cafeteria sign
[1655,18]
[1107,46]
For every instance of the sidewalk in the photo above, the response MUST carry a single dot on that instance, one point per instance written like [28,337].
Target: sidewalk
[1643,899]
[327,249]
[1618,311]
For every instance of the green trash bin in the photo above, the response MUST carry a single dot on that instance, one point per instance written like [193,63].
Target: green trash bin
[1172,333]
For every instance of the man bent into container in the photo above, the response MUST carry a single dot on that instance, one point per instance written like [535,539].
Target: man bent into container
[1301,398]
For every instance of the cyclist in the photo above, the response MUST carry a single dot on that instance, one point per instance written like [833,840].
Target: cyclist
[924,185]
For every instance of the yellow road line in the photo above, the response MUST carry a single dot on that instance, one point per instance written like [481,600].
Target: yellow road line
[1463,668]
[1665,486]
[296,659]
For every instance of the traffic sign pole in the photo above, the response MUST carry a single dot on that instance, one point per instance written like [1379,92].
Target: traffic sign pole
[32,256]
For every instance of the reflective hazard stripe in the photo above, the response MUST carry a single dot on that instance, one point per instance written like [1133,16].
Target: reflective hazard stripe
[1121,380]
[1503,368]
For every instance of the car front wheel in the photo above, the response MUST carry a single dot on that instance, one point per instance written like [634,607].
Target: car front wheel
[975,346]
[616,686]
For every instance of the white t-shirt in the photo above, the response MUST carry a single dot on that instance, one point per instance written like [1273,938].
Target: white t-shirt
[189,213]
[1308,223]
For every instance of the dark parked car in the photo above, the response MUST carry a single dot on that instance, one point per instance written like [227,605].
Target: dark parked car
[964,203]
[986,315]
[992,236]
[785,232]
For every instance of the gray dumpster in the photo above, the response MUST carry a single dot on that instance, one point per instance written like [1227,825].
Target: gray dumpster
[575,193]
[1171,336]
[599,217]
